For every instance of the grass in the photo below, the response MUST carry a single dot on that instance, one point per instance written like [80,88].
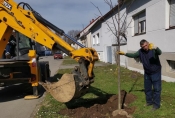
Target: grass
[67,57]
[106,83]
[69,61]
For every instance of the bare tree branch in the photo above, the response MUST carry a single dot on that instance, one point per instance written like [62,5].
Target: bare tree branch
[126,11]
[109,22]
[117,32]
[104,19]
[96,15]
[115,15]
[107,2]
[98,9]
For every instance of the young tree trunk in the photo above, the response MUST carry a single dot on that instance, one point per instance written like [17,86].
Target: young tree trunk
[118,32]
[118,58]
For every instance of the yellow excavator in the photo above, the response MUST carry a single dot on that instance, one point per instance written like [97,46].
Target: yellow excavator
[26,67]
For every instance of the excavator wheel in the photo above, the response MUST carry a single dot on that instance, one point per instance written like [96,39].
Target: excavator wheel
[44,70]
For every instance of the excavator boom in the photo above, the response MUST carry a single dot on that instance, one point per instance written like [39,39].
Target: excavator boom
[23,19]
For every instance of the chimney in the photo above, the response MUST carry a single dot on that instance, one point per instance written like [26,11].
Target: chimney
[91,21]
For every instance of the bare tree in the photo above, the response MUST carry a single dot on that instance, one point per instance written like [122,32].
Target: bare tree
[118,27]
[73,34]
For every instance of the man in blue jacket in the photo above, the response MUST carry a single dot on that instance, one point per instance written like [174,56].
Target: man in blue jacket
[9,51]
[149,56]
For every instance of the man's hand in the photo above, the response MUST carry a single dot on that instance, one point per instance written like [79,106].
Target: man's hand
[120,53]
[152,46]
[8,56]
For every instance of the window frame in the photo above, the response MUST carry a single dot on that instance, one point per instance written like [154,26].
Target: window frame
[136,20]
[97,39]
[93,40]
[170,27]
[172,65]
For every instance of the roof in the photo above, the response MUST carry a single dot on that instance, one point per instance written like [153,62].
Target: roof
[93,20]
[108,13]
[86,33]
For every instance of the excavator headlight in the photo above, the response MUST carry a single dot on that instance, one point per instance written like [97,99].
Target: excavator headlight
[33,77]
[34,62]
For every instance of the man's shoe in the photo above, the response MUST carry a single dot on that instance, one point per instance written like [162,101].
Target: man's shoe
[148,104]
[154,108]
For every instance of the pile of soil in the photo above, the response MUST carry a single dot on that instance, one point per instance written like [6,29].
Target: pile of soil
[102,107]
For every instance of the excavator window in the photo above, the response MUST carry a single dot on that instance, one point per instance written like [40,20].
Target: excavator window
[24,42]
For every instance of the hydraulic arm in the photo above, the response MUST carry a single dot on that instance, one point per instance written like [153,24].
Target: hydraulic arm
[22,18]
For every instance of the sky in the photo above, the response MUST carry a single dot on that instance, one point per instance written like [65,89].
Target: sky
[69,14]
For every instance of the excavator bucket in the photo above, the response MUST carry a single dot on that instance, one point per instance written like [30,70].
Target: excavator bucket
[66,89]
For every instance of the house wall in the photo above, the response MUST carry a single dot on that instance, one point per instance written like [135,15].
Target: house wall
[107,38]
[87,36]
[98,48]
[88,40]
[157,21]
[123,59]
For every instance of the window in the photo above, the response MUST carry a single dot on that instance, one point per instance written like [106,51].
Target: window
[171,65]
[99,55]
[140,23]
[142,26]
[172,13]
[97,39]
[93,40]
[24,41]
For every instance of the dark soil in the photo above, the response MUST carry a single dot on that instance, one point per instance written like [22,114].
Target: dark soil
[102,107]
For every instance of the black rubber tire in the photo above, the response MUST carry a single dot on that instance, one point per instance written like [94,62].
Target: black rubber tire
[44,70]
[35,90]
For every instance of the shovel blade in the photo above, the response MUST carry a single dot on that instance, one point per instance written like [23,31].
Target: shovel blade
[66,89]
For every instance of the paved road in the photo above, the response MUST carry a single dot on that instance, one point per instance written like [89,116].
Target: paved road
[12,104]
[53,63]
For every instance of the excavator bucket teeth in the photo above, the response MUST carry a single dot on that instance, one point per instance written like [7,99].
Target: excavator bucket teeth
[66,89]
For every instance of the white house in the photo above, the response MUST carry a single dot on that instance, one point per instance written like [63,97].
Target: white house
[84,36]
[153,20]
[103,38]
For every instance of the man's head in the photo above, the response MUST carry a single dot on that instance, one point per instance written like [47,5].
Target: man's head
[14,33]
[144,44]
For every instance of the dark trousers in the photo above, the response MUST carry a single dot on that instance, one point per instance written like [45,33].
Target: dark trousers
[152,86]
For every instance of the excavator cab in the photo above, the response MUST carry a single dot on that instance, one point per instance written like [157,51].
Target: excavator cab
[19,68]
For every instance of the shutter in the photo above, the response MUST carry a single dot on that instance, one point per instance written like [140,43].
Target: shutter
[172,13]
[136,25]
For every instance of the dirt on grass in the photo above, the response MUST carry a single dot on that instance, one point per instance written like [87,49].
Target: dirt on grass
[103,107]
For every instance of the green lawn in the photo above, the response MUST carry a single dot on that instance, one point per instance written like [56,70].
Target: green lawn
[69,61]
[106,82]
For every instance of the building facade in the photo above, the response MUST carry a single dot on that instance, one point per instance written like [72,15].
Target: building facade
[153,20]
[103,37]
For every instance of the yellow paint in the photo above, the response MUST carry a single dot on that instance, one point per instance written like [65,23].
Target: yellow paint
[11,75]
[29,97]
[5,33]
[34,70]
[33,29]
[1,1]
[32,53]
